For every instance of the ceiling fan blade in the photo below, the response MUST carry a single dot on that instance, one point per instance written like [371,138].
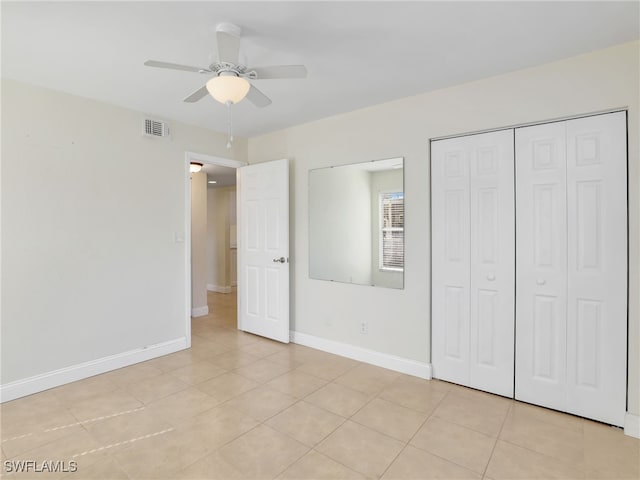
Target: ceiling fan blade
[176,66]
[258,98]
[197,95]
[228,47]
[280,71]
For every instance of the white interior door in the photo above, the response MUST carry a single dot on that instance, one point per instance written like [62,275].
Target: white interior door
[473,261]
[263,249]
[541,264]
[597,267]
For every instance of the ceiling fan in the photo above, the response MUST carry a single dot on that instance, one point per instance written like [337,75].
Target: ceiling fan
[229,83]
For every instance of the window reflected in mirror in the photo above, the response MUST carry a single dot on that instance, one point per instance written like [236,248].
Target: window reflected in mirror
[356,223]
[391,231]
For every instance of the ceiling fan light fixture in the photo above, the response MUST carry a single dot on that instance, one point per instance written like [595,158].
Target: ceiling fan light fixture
[195,167]
[228,88]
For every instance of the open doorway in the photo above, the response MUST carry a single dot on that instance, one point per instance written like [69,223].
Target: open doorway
[209,248]
[221,234]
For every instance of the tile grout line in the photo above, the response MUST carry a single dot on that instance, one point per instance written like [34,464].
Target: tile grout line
[337,461]
[514,404]
[530,450]
[219,447]
[292,463]
[408,442]
[495,444]
[310,448]
[466,426]
[350,418]
[344,419]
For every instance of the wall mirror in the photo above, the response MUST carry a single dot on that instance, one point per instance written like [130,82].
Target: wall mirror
[356,223]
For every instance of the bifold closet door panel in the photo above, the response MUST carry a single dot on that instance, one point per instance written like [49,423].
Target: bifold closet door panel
[571,267]
[473,260]
[450,247]
[597,267]
[492,290]
[541,264]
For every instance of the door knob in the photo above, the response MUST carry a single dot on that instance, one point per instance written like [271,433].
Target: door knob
[541,281]
[280,260]
[491,278]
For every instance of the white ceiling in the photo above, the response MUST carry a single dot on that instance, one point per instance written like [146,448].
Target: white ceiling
[357,53]
[223,176]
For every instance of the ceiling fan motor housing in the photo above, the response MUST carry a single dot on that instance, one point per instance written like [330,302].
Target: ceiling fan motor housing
[225,68]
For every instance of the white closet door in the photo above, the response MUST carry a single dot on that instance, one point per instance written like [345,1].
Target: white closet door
[450,245]
[571,244]
[541,264]
[597,267]
[492,292]
[473,261]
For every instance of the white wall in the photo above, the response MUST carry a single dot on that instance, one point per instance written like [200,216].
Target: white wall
[90,208]
[199,244]
[399,319]
[219,223]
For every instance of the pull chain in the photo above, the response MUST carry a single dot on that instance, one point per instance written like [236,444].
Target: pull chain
[229,125]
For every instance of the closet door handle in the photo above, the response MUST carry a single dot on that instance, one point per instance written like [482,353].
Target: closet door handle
[541,281]
[491,278]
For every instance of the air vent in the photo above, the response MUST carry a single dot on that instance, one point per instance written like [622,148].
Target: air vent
[154,128]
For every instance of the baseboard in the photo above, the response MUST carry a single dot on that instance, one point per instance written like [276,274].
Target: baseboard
[385,360]
[200,311]
[218,288]
[632,425]
[45,381]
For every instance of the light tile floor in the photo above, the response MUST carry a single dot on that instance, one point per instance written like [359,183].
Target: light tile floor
[239,406]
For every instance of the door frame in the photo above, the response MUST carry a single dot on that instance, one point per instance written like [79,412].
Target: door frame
[210,160]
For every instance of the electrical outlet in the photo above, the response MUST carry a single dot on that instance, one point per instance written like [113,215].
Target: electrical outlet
[364,327]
